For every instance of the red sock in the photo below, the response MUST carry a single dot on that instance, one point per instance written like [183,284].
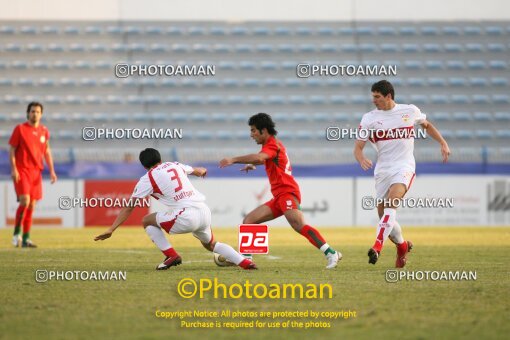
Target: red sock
[20,214]
[170,252]
[402,247]
[313,236]
[27,221]
[379,241]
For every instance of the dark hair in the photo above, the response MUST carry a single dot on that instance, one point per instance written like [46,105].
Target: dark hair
[384,87]
[149,157]
[29,107]
[263,121]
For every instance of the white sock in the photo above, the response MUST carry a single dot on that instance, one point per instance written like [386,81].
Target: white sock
[385,226]
[228,252]
[396,234]
[157,236]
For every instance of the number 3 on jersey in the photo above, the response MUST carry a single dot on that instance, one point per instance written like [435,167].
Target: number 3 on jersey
[175,177]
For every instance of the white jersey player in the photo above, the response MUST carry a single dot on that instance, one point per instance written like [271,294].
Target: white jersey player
[187,212]
[391,130]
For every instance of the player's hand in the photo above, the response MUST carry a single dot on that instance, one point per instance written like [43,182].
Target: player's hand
[201,172]
[445,151]
[365,164]
[248,167]
[15,175]
[226,162]
[53,177]
[104,236]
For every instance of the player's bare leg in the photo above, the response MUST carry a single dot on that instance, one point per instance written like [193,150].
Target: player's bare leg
[229,254]
[388,221]
[297,221]
[260,214]
[158,237]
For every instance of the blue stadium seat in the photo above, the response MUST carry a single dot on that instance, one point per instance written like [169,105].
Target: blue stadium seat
[20,65]
[291,82]
[482,116]
[252,82]
[439,99]
[499,81]
[174,30]
[303,31]
[28,30]
[453,48]
[264,48]
[119,48]
[197,30]
[358,81]
[364,30]
[360,99]
[439,117]
[235,100]
[496,47]
[297,100]
[114,30]
[195,100]
[273,82]
[389,48]
[429,30]
[321,117]
[434,65]
[11,99]
[25,82]
[173,100]
[462,117]
[199,117]
[419,99]
[346,31]
[204,135]
[71,30]
[300,117]
[239,30]
[317,100]
[268,65]
[464,134]
[476,64]
[289,65]
[5,30]
[34,48]
[503,134]
[432,48]
[169,82]
[247,65]
[137,47]
[349,48]
[261,31]
[53,100]
[304,135]
[221,48]
[419,82]
[494,30]
[49,30]
[214,100]
[6,82]
[472,30]
[501,99]
[218,31]
[189,82]
[201,48]
[73,100]
[93,100]
[327,31]
[407,30]
[413,64]
[481,99]
[115,100]
[131,30]
[282,31]
[256,100]
[338,99]
[93,30]
[451,31]
[83,65]
[153,30]
[244,48]
[179,117]
[88,82]
[98,48]
[473,47]
[455,65]
[153,100]
[457,82]
[12,47]
[240,117]
[498,64]
[276,100]
[208,82]
[437,82]
[224,134]
[159,48]
[219,117]
[368,48]
[286,135]
[227,65]
[68,82]
[410,48]
[67,135]
[180,48]
[285,48]
[459,99]
[478,81]
[329,48]
[502,116]
[386,30]
[314,82]
[334,82]
[103,65]
[307,48]
[231,82]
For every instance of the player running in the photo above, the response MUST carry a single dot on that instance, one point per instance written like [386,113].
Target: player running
[393,138]
[285,190]
[30,143]
[168,182]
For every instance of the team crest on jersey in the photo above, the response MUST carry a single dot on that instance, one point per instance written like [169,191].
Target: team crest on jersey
[289,204]
[43,139]
[405,117]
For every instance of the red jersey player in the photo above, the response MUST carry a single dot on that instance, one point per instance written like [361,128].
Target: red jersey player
[395,169]
[286,194]
[29,145]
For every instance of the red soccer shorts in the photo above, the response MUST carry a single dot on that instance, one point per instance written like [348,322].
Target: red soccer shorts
[282,203]
[29,183]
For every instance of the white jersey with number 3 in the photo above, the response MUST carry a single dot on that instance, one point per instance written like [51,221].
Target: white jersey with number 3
[170,185]
[394,152]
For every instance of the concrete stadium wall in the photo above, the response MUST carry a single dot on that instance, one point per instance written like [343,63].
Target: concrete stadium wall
[262,10]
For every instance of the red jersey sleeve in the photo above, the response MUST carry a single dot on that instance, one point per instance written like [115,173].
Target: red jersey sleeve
[270,149]
[15,137]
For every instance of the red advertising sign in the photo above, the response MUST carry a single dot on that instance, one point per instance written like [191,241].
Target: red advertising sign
[253,239]
[112,195]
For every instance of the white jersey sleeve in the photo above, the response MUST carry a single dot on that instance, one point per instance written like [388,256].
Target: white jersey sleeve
[143,188]
[187,169]
[418,116]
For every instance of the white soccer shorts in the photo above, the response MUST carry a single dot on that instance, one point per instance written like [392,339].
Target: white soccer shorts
[195,220]
[384,180]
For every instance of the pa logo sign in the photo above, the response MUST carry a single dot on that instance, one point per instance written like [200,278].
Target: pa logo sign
[253,239]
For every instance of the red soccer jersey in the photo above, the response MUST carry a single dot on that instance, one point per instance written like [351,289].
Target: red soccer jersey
[30,143]
[278,169]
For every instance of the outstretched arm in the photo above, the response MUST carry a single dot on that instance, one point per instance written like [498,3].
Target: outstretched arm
[434,133]
[121,218]
[255,158]
[360,157]
[199,172]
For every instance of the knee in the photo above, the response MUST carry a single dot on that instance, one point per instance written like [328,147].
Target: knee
[146,221]
[24,200]
[209,246]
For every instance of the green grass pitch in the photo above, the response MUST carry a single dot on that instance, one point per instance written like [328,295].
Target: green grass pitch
[126,309]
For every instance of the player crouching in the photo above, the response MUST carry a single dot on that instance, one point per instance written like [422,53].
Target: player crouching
[168,182]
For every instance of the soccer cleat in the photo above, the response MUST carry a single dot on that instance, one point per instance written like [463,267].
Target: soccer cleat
[401,255]
[169,262]
[373,256]
[28,244]
[16,240]
[333,259]
[247,264]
